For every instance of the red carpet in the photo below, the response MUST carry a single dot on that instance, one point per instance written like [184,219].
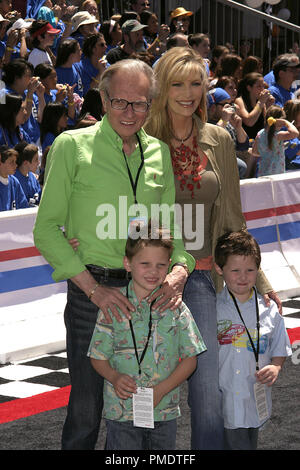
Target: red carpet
[294,334]
[23,407]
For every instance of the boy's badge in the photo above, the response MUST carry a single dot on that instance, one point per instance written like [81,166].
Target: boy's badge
[143,411]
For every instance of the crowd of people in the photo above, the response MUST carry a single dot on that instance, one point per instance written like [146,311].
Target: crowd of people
[54,63]
[94,111]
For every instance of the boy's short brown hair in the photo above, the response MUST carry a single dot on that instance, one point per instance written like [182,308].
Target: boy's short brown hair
[6,152]
[26,152]
[150,234]
[236,243]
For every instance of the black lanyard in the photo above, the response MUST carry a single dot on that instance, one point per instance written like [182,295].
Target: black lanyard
[140,360]
[135,183]
[255,350]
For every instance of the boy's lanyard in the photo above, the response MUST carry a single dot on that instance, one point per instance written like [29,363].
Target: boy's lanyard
[135,183]
[255,350]
[139,360]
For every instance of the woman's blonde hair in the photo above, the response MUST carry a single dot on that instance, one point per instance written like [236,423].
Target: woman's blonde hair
[178,63]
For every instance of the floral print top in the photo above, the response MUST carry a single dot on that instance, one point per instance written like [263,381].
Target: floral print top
[271,162]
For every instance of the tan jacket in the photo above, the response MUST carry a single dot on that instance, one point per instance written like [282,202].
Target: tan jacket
[227,210]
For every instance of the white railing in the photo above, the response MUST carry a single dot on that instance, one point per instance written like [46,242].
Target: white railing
[229,21]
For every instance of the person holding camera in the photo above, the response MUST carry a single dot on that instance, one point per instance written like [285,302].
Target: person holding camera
[223,113]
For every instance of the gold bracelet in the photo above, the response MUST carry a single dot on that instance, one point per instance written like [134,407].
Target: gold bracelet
[93,291]
[29,100]
[11,49]
[70,103]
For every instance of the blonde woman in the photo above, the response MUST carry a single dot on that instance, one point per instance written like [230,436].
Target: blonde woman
[206,174]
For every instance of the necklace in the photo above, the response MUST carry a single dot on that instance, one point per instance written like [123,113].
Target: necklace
[187,138]
[188,165]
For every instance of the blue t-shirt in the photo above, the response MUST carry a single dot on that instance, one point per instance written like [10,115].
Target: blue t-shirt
[12,140]
[31,126]
[50,98]
[281,95]
[87,71]
[70,76]
[30,185]
[15,53]
[48,140]
[292,150]
[12,195]
[269,78]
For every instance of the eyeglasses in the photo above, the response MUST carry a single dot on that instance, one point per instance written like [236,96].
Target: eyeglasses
[137,106]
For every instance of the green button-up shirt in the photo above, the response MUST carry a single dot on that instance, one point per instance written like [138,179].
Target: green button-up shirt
[88,192]
[174,335]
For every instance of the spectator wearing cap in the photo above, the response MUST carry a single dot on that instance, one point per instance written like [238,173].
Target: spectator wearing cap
[180,20]
[222,113]
[286,71]
[132,31]
[83,25]
[13,41]
[42,35]
[270,79]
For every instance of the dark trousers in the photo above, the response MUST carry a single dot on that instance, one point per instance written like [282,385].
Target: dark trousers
[241,439]
[82,424]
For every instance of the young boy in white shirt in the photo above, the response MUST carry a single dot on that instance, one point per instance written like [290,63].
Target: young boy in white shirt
[253,342]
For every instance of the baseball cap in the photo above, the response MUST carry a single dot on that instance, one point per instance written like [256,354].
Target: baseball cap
[216,95]
[2,19]
[81,18]
[47,28]
[283,62]
[20,24]
[130,26]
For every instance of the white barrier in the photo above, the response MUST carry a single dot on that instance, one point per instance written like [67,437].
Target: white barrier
[271,206]
[32,304]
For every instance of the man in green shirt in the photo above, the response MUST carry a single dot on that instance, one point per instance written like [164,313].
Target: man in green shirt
[94,178]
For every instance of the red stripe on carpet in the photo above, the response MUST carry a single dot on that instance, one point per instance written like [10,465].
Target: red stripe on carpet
[23,407]
[19,253]
[294,334]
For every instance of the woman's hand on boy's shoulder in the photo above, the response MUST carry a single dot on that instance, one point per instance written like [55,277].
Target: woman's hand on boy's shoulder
[273,295]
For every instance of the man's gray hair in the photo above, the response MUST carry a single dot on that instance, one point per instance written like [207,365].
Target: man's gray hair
[134,66]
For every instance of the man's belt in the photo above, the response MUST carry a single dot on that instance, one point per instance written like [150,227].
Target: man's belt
[108,272]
